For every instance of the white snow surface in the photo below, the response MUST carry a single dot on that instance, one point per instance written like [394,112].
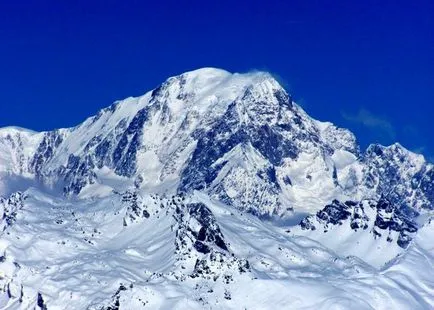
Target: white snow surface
[77,253]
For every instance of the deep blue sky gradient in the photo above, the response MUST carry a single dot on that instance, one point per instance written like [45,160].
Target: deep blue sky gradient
[364,65]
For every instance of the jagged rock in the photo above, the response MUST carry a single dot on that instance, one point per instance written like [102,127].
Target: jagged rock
[198,237]
[9,209]
[40,302]
[385,217]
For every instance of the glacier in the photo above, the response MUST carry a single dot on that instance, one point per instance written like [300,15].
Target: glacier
[213,190]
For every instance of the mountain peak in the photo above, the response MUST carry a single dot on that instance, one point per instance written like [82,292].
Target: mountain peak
[16,129]
[206,71]
[201,80]
[395,150]
[182,133]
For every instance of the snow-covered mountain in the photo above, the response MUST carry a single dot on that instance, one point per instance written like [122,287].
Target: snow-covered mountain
[214,190]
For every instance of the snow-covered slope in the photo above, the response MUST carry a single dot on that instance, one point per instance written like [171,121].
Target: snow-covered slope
[132,250]
[375,231]
[214,190]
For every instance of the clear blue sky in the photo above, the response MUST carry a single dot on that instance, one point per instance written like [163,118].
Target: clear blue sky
[365,65]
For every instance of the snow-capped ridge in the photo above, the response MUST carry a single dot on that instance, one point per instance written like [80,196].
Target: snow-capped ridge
[171,137]
[392,148]
[16,129]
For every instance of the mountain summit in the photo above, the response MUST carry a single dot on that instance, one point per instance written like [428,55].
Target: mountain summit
[191,191]
[239,137]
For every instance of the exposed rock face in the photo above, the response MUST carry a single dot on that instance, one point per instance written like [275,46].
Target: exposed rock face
[377,217]
[199,239]
[402,177]
[9,208]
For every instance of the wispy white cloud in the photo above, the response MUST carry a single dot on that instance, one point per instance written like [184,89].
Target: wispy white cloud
[373,122]
[420,144]
[382,128]
[419,150]
[410,131]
